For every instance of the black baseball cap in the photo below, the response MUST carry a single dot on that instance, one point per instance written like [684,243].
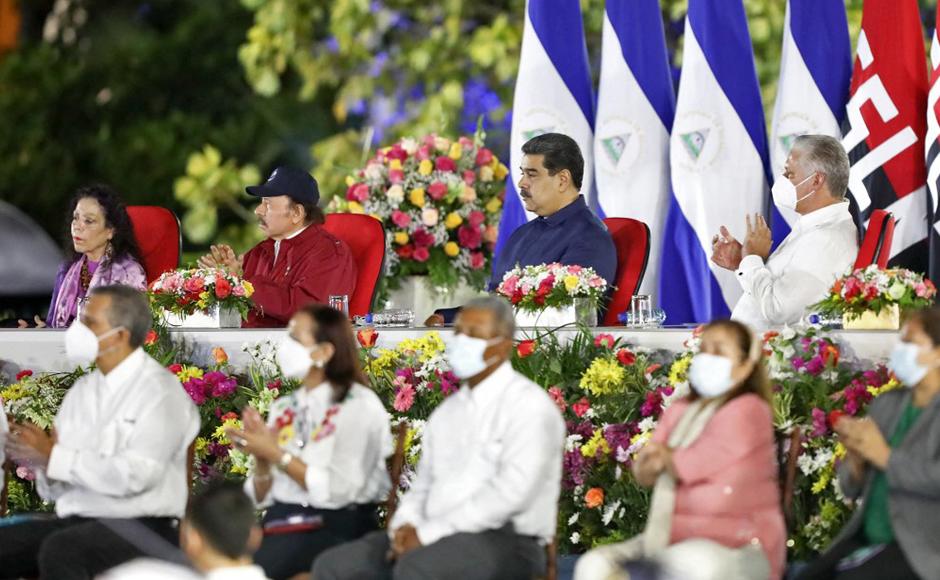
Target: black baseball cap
[294,183]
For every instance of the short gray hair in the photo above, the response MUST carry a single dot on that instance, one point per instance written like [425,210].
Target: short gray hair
[826,155]
[504,319]
[129,308]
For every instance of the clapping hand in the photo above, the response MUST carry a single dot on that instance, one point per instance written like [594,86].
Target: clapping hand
[758,239]
[862,436]
[29,445]
[405,540]
[651,462]
[40,323]
[222,256]
[726,250]
[255,438]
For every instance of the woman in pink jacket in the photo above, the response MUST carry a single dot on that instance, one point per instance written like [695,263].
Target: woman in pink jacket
[715,510]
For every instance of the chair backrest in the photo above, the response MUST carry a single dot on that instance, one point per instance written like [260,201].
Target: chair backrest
[632,240]
[365,236]
[395,468]
[876,245]
[158,236]
[5,471]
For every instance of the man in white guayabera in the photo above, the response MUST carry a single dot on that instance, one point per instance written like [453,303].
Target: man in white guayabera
[822,245]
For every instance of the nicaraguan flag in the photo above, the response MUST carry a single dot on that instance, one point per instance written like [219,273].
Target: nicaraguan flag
[718,159]
[635,108]
[815,72]
[553,95]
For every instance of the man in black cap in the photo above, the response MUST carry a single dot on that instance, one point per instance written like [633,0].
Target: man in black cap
[300,262]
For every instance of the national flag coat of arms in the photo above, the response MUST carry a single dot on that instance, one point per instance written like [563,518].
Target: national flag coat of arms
[886,125]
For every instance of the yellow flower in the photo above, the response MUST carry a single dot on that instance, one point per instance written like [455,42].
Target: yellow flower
[417,197]
[249,288]
[455,151]
[571,282]
[189,372]
[452,220]
[493,205]
[596,444]
[285,435]
[394,164]
[889,386]
[679,370]
[13,392]
[350,181]
[501,172]
[356,207]
[401,238]
[425,167]
[201,444]
[219,433]
[486,174]
[604,376]
[451,249]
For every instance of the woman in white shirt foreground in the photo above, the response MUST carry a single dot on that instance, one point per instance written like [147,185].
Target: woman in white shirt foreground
[320,460]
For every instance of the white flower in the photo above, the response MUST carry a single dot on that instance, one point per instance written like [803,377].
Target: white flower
[572,442]
[574,518]
[374,171]
[395,194]
[647,424]
[609,512]
[575,538]
[787,333]
[410,145]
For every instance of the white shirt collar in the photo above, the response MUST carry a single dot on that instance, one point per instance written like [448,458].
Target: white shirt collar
[237,573]
[277,243]
[125,370]
[489,388]
[825,215]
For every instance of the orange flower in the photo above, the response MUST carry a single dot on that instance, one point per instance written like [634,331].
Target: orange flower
[151,337]
[594,498]
[367,337]
[525,348]
[220,356]
[770,335]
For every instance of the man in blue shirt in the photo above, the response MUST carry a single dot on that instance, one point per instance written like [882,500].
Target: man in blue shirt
[566,230]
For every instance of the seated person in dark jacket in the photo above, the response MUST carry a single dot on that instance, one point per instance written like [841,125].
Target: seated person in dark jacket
[565,231]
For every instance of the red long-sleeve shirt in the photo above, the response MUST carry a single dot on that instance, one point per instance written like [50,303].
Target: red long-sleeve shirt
[310,267]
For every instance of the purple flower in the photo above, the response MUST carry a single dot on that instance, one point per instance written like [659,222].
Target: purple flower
[798,363]
[815,365]
[652,404]
[575,467]
[820,428]
[196,389]
[585,429]
[225,387]
[216,449]
[618,435]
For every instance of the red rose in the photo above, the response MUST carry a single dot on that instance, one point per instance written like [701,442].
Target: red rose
[626,357]
[834,417]
[405,252]
[469,237]
[477,260]
[525,348]
[230,416]
[222,288]
[23,374]
[422,239]
[194,286]
[151,337]
[476,218]
[367,337]
[516,297]
[396,152]
[437,190]
[581,407]
[175,368]
[421,254]
[444,163]
[484,157]
[604,340]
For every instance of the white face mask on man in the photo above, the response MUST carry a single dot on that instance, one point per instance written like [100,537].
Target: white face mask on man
[82,344]
[784,192]
[465,355]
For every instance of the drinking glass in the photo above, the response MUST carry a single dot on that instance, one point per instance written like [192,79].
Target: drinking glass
[641,310]
[340,302]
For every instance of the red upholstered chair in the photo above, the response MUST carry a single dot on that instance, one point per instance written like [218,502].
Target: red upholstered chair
[876,246]
[158,236]
[632,240]
[365,236]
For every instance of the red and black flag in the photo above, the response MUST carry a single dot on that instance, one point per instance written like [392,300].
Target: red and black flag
[886,125]
[933,155]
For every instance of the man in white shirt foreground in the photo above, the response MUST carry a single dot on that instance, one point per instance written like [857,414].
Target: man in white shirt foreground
[484,499]
[115,461]
[822,245]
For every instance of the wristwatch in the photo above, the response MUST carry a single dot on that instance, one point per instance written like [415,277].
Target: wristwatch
[285,460]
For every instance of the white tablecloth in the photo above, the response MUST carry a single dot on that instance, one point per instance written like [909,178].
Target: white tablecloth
[43,349]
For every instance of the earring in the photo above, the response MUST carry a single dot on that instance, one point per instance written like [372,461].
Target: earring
[109,251]
[319,364]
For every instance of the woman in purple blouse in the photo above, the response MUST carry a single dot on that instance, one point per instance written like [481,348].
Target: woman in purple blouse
[104,251]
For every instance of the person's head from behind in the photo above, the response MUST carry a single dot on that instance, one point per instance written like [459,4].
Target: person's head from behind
[289,202]
[728,363]
[916,357]
[220,528]
[320,346]
[483,335]
[113,323]
[817,170]
[552,170]
[99,225]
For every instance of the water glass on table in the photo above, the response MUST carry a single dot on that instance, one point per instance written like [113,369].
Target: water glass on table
[340,302]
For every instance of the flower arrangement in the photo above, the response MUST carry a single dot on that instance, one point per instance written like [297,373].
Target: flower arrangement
[184,292]
[872,289]
[440,202]
[534,288]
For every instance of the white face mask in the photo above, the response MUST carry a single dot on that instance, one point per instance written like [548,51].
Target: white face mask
[465,355]
[82,344]
[903,363]
[294,358]
[784,192]
[710,375]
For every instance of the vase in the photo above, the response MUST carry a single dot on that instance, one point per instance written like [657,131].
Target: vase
[213,317]
[582,311]
[888,319]
[419,296]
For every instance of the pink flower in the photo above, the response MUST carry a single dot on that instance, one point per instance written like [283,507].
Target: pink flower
[437,190]
[238,290]
[194,285]
[404,398]
[400,219]
[484,157]
[476,218]
[465,142]
[421,254]
[820,428]
[25,473]
[469,236]
[477,260]
[469,177]
[357,192]
[558,397]
[397,152]
[422,239]
[396,176]
[581,407]
[172,283]
[604,340]
[444,163]
[509,285]
[921,290]
[424,152]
